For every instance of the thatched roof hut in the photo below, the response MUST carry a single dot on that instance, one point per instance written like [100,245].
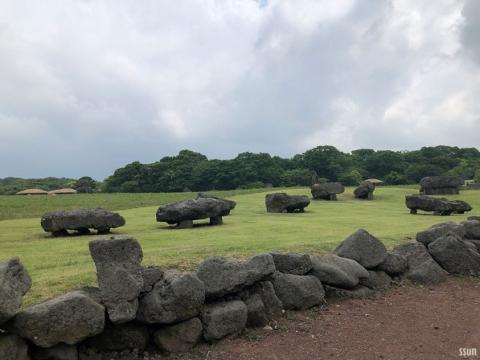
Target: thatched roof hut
[66,191]
[32,192]
[375,181]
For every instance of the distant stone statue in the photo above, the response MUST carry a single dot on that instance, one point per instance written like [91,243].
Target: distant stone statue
[439,206]
[327,191]
[441,185]
[364,190]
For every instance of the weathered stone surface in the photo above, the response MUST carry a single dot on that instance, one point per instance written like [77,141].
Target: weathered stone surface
[439,206]
[298,292]
[292,263]
[282,202]
[81,220]
[422,269]
[472,229]
[222,319]
[476,243]
[131,335]
[177,297]
[151,275]
[12,347]
[327,191]
[358,292]
[272,304]
[440,185]
[438,230]
[228,204]
[472,245]
[256,314]
[69,318]
[394,264]
[194,209]
[364,248]
[179,337]
[364,190]
[474,217]
[337,271]
[14,284]
[119,275]
[455,256]
[223,277]
[378,280]
[58,352]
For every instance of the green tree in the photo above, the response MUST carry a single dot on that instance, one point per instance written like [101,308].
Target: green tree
[85,185]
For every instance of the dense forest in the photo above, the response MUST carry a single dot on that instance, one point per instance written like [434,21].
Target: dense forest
[193,171]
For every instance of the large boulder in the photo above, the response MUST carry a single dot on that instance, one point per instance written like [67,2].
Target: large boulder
[12,347]
[364,190]
[422,268]
[364,248]
[222,319]
[440,185]
[14,284]
[439,230]
[256,314]
[272,305]
[337,271]
[179,337]
[184,212]
[69,319]
[292,263]
[327,191]
[455,256]
[377,280]
[59,222]
[282,202]
[298,292]
[228,204]
[121,337]
[394,264]
[472,229]
[439,206]
[177,297]
[119,275]
[223,277]
[151,275]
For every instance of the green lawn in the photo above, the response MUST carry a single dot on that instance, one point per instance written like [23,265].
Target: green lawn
[60,264]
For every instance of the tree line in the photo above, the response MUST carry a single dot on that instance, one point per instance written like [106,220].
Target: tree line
[193,171]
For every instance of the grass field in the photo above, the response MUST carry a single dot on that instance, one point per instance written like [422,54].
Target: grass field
[60,264]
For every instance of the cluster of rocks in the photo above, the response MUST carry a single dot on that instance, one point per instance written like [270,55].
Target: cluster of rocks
[183,213]
[282,202]
[441,185]
[439,206]
[136,308]
[81,221]
[364,191]
[327,191]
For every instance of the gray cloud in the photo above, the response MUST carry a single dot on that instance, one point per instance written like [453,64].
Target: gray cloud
[89,86]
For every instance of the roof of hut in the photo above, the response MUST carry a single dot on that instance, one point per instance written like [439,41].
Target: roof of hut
[32,192]
[62,191]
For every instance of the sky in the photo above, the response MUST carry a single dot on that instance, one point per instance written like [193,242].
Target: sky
[89,86]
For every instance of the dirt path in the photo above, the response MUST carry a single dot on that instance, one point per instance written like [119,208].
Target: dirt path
[405,323]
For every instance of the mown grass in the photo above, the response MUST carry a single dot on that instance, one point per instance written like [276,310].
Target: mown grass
[59,264]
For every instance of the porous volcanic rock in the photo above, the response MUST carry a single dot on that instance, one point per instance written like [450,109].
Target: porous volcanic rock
[327,191]
[364,248]
[292,263]
[222,319]
[82,220]
[358,292]
[282,202]
[180,337]
[298,292]
[439,206]
[14,284]
[394,264]
[228,204]
[364,190]
[438,230]
[272,304]
[57,352]
[338,271]
[440,185]
[119,275]
[13,347]
[131,335]
[256,314]
[378,280]
[472,229]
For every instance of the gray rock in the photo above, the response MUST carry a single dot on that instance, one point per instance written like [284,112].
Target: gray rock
[298,292]
[272,304]
[151,275]
[440,185]
[228,204]
[12,347]
[292,263]
[378,280]
[439,230]
[337,271]
[364,191]
[177,297]
[474,217]
[422,269]
[58,352]
[222,319]
[455,256]
[364,248]
[222,277]
[69,318]
[14,284]
[475,243]
[327,191]
[131,335]
[119,275]
[439,206]
[282,202]
[394,264]
[180,337]
[358,292]
[102,220]
[472,229]
[256,314]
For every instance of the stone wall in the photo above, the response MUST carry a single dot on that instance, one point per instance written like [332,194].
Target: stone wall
[137,308]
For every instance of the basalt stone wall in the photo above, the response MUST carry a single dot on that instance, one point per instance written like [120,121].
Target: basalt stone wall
[137,309]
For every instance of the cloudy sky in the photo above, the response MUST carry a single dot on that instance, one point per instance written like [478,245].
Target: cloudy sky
[88,86]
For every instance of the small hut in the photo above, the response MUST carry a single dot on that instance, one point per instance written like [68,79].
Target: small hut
[32,192]
[375,182]
[67,191]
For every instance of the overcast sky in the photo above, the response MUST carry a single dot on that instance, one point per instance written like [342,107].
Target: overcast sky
[88,86]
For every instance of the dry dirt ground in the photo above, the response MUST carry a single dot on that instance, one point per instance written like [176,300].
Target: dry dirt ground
[407,322]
